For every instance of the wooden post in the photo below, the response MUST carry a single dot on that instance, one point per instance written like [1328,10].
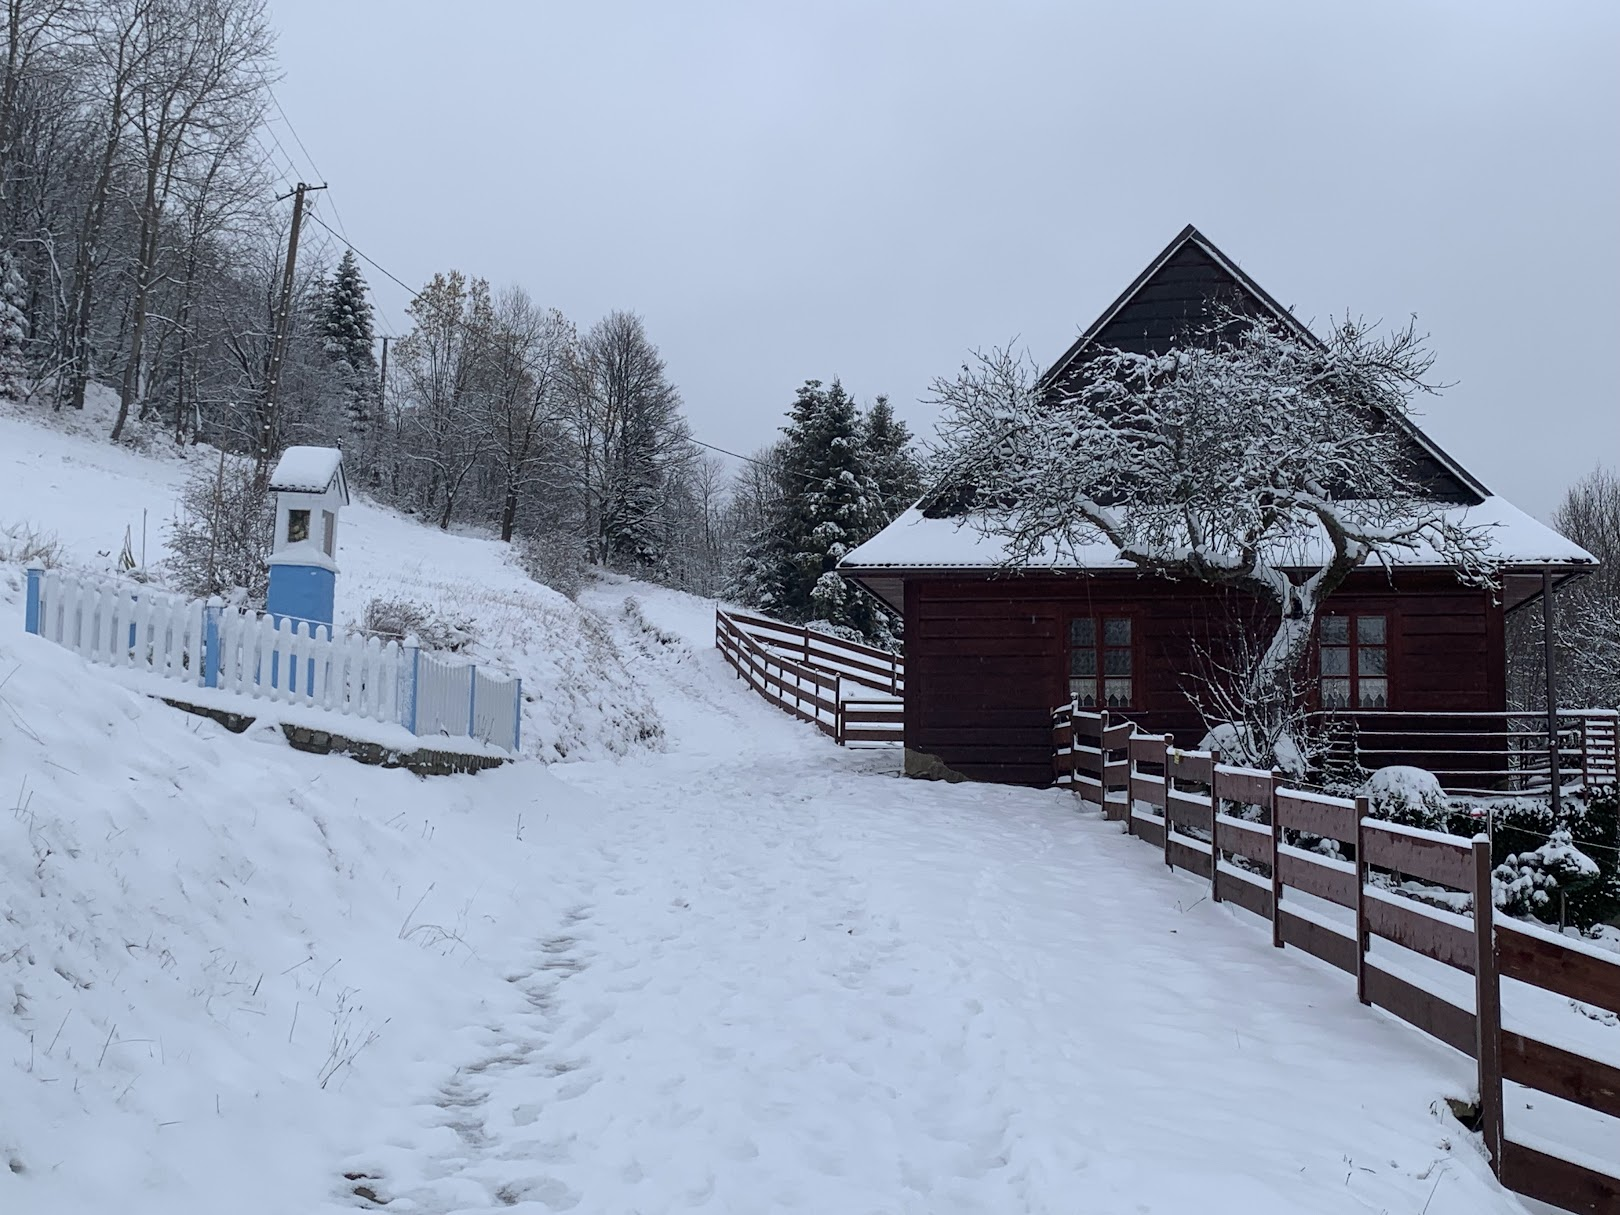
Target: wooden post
[1170,761]
[1214,830]
[1488,1007]
[1363,809]
[278,343]
[1276,867]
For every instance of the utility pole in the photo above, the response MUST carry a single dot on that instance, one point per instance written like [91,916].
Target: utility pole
[278,344]
[382,376]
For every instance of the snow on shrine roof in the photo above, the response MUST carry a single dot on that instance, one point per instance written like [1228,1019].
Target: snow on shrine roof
[309,470]
[916,542]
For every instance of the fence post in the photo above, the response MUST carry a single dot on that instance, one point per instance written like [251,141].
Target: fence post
[409,668]
[212,654]
[36,574]
[472,701]
[1487,1007]
[1171,758]
[1276,865]
[1214,829]
[517,714]
[1363,941]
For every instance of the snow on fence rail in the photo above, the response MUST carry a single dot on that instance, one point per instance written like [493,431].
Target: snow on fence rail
[848,690]
[260,657]
[1336,907]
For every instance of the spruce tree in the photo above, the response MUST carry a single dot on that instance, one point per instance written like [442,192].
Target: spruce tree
[347,335]
[13,327]
[828,506]
[890,460]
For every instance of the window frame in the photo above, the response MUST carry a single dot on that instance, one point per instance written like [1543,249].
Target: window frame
[1099,616]
[1353,647]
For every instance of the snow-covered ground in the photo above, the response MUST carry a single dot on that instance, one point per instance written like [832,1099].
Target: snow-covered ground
[723,967]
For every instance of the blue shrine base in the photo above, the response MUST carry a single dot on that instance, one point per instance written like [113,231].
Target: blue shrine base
[302,592]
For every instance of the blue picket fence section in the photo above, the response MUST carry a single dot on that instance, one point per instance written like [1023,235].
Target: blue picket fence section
[263,657]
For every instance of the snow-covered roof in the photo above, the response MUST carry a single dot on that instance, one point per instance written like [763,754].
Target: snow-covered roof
[915,542]
[309,470]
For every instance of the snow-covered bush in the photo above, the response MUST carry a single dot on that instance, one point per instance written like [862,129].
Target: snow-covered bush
[396,616]
[220,542]
[555,559]
[1530,883]
[1522,825]
[1408,796]
[1239,743]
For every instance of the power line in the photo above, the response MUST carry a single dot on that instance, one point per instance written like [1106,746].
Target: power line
[383,270]
[299,140]
[363,257]
[735,455]
[369,261]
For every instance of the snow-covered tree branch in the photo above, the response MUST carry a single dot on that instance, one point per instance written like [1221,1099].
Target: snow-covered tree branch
[1257,461]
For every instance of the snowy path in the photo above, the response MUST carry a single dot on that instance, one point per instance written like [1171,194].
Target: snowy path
[746,973]
[777,978]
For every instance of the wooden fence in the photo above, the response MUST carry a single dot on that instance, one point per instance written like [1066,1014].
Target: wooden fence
[1246,833]
[851,692]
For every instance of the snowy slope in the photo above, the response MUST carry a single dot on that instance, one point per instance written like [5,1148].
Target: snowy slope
[744,972]
[65,479]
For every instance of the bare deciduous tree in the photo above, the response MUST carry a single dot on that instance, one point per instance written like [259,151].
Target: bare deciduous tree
[1259,462]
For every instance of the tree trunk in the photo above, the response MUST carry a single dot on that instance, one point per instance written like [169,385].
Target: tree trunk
[146,256]
[84,262]
[509,512]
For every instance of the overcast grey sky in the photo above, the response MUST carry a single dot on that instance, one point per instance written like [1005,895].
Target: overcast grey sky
[869,190]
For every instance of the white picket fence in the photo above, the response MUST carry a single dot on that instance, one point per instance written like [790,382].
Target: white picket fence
[258,657]
[293,662]
[121,624]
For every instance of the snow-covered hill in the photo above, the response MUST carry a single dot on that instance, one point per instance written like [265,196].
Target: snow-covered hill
[59,476]
[726,968]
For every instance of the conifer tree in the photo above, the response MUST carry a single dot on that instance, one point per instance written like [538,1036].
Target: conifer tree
[829,504]
[347,335]
[890,460]
[13,327]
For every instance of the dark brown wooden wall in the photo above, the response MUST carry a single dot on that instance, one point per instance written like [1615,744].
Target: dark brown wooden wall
[985,657]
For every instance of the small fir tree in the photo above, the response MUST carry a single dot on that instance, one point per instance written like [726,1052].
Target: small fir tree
[890,460]
[13,327]
[828,506]
[347,334]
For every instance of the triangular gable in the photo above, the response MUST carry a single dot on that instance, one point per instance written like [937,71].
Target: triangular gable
[1178,292]
[1181,292]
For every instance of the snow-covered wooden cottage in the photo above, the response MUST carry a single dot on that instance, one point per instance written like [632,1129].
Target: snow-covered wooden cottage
[1412,658]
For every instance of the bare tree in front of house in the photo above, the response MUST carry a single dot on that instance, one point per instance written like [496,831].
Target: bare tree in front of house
[1590,610]
[1260,462]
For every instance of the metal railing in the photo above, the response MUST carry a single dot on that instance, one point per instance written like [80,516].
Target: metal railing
[1473,752]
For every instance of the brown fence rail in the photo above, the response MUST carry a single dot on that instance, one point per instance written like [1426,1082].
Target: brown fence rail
[1265,846]
[820,679]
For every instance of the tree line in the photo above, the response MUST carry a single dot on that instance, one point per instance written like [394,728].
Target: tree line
[143,230]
